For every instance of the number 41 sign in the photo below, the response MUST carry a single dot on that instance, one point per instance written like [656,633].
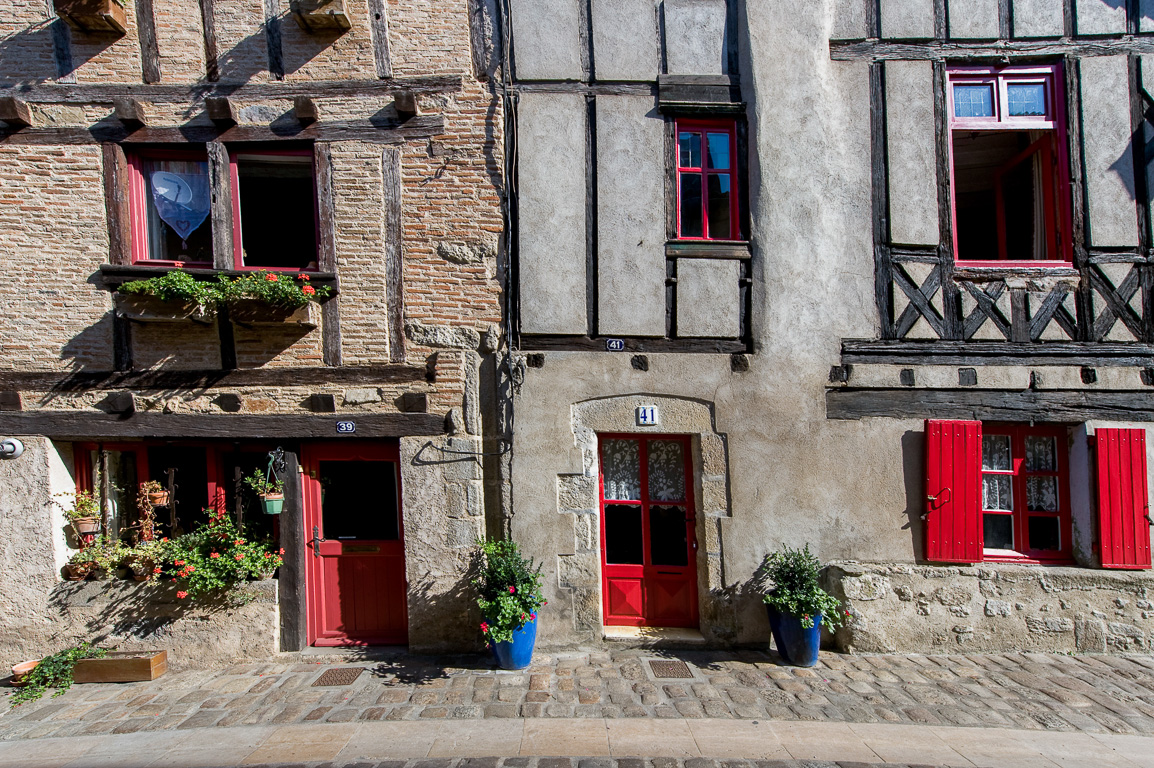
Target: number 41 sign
[647,416]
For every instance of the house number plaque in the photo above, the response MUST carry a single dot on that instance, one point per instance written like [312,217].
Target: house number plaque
[346,427]
[615,345]
[647,416]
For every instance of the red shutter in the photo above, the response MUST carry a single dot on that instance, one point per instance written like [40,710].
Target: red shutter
[953,518]
[1123,506]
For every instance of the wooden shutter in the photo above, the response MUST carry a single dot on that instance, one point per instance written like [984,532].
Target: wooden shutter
[953,516]
[1123,504]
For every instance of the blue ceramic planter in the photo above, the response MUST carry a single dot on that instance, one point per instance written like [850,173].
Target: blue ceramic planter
[797,645]
[518,652]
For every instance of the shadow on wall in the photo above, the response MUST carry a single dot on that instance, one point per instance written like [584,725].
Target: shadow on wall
[443,615]
[91,349]
[300,47]
[28,55]
[914,471]
[1116,4]
[127,611]
[247,58]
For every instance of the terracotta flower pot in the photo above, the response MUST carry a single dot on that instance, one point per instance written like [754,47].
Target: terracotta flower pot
[87,526]
[158,499]
[21,670]
[78,571]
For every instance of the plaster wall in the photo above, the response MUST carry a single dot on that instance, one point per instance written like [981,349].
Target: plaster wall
[695,37]
[907,19]
[1099,17]
[1038,18]
[625,45]
[1109,162]
[974,19]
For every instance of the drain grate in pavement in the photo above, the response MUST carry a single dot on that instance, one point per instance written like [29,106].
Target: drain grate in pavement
[339,676]
[677,669]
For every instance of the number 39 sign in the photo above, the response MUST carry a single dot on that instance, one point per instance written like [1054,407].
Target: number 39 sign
[346,427]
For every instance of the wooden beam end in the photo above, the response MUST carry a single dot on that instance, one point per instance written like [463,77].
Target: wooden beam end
[220,110]
[406,104]
[15,112]
[306,110]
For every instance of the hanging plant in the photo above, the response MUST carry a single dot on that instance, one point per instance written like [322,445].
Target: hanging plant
[270,486]
[54,671]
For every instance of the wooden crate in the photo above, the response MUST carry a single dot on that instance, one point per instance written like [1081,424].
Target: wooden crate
[121,667]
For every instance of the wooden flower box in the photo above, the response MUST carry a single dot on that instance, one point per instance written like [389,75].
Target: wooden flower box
[121,667]
[152,309]
[253,312]
[321,15]
[105,16]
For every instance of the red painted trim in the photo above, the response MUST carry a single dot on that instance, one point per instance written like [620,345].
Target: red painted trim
[237,232]
[1123,498]
[702,127]
[647,573]
[138,201]
[1056,185]
[953,492]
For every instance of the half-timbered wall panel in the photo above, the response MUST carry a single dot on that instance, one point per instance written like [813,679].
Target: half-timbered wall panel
[695,37]
[551,213]
[849,21]
[708,304]
[242,52]
[625,40]
[630,217]
[554,26]
[974,19]
[911,137]
[1100,17]
[907,19]
[1146,15]
[1109,163]
[1038,18]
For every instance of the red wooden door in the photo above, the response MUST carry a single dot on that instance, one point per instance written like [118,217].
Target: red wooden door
[648,541]
[354,545]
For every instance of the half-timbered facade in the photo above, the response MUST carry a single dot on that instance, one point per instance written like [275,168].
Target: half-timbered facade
[353,147]
[867,275]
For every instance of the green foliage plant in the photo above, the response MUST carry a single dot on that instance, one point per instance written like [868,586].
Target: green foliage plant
[264,485]
[108,553]
[54,671]
[83,505]
[796,592]
[276,290]
[175,286]
[508,588]
[215,558]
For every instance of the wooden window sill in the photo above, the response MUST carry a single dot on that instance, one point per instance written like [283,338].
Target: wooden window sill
[115,275]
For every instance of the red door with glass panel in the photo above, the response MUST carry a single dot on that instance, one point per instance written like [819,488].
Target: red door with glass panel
[354,545]
[648,541]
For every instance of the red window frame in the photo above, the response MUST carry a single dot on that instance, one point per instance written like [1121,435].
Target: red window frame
[138,202]
[727,126]
[234,183]
[1056,173]
[1020,514]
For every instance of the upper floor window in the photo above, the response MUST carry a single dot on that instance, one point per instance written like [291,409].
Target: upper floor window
[1008,171]
[707,199]
[273,194]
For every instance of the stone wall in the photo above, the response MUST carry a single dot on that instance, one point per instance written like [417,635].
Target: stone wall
[992,608]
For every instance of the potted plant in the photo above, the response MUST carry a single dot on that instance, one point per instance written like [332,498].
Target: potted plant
[270,488]
[143,560]
[108,555]
[53,671]
[171,297]
[509,595]
[93,15]
[83,514]
[215,558]
[79,566]
[797,606]
[263,297]
[154,493]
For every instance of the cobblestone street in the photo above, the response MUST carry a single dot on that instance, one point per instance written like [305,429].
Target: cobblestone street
[1092,694]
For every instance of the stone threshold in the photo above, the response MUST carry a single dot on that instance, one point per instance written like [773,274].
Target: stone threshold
[653,637]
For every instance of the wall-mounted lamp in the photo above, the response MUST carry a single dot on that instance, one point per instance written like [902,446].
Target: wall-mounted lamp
[11,448]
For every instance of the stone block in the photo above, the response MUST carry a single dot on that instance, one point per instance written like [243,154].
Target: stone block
[1090,635]
[625,40]
[1038,18]
[362,396]
[907,19]
[551,29]
[708,298]
[463,533]
[870,586]
[579,571]
[585,529]
[630,218]
[974,19]
[714,497]
[998,608]
[1106,134]
[576,492]
[1099,17]
[551,176]
[912,143]
[695,37]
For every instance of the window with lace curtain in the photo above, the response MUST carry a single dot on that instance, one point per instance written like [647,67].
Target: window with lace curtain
[1009,173]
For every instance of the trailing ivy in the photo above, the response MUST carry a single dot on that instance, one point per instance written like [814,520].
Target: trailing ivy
[54,671]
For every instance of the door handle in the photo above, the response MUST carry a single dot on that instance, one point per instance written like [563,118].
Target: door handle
[317,541]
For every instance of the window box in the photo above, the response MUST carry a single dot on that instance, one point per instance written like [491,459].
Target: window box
[321,15]
[93,15]
[256,312]
[153,309]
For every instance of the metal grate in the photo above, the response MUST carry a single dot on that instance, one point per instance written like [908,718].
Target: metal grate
[339,676]
[678,669]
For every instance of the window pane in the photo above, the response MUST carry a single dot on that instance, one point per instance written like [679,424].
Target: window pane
[996,453]
[621,469]
[177,203]
[666,470]
[691,221]
[1041,454]
[1026,99]
[277,214]
[718,150]
[689,150]
[997,492]
[623,539]
[998,531]
[667,542]
[719,207]
[1043,533]
[974,100]
[359,500]
[1042,494]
